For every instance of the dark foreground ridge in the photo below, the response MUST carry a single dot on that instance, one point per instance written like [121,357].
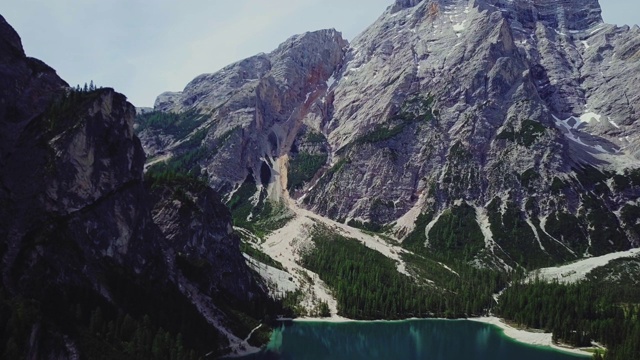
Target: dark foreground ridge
[98,262]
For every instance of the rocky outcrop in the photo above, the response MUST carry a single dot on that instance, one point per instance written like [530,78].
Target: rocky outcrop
[523,110]
[81,233]
[256,107]
[483,70]
[566,15]
[198,236]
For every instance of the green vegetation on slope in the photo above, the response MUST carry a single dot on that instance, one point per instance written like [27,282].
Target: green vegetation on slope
[263,217]
[526,136]
[68,109]
[179,181]
[259,255]
[578,313]
[177,124]
[414,109]
[624,274]
[367,284]
[456,234]
[381,132]
[302,168]
[367,226]
[515,236]
[187,158]
[143,329]
[605,229]
[416,239]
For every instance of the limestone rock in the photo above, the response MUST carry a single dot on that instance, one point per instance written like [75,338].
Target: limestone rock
[80,230]
[526,106]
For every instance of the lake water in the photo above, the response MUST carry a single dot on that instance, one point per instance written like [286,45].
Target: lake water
[399,340]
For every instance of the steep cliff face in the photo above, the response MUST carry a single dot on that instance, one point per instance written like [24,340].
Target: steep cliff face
[198,235]
[522,111]
[511,124]
[82,234]
[563,15]
[254,109]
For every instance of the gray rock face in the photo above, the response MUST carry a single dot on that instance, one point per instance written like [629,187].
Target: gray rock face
[562,15]
[524,110]
[78,222]
[199,233]
[403,4]
[256,107]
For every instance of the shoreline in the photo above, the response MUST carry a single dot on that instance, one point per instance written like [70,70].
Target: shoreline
[339,319]
[522,336]
[528,337]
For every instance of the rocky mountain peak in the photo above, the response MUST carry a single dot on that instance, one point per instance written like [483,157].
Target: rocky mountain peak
[564,15]
[301,59]
[404,4]
[489,103]
[312,57]
[309,38]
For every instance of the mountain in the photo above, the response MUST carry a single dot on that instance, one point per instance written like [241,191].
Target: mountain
[89,245]
[501,130]
[418,171]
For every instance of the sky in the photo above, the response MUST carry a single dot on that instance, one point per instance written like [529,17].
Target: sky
[145,47]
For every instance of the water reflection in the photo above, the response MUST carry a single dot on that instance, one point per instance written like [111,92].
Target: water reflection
[414,339]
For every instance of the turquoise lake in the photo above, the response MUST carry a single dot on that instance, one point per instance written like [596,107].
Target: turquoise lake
[411,339]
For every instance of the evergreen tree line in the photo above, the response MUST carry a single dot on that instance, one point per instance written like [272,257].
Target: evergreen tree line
[177,124]
[86,88]
[98,333]
[132,324]
[133,338]
[186,163]
[64,110]
[578,314]
[367,284]
[303,167]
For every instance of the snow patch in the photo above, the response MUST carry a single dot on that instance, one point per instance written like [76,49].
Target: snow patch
[587,117]
[448,268]
[573,122]
[595,30]
[331,81]
[407,222]
[485,227]
[578,270]
[567,126]
[535,233]
[543,223]
[559,32]
[459,27]
[429,227]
